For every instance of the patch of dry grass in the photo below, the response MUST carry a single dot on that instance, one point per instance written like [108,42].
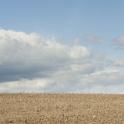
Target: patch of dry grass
[61,109]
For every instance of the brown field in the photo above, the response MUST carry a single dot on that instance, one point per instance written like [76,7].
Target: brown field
[61,109]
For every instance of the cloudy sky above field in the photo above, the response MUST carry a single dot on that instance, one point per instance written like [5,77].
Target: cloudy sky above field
[62,46]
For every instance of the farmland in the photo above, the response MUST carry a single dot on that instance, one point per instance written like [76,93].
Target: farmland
[61,109]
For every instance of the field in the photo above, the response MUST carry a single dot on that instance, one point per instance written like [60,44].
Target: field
[61,109]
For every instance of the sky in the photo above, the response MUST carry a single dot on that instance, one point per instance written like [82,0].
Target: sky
[62,46]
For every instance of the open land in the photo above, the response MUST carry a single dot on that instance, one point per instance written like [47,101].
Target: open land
[61,109]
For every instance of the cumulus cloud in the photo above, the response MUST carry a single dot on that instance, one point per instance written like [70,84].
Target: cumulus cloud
[30,56]
[32,63]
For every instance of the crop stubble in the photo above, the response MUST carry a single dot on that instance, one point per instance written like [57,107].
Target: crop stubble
[61,109]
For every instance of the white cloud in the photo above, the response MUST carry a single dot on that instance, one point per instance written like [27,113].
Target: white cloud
[35,85]
[23,55]
[31,63]
[77,52]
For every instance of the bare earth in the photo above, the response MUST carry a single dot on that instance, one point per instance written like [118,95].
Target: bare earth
[61,109]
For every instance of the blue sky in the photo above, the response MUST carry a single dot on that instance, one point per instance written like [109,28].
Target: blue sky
[66,41]
[64,19]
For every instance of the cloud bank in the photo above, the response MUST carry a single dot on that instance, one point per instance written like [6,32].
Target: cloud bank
[32,63]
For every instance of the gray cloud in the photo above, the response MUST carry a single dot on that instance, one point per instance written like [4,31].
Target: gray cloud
[26,56]
[31,63]
[94,39]
[119,42]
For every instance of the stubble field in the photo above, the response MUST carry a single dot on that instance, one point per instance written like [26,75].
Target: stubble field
[61,109]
